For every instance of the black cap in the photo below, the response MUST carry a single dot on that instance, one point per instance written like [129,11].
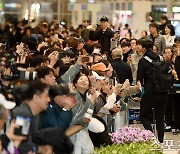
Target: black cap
[104,18]
[60,89]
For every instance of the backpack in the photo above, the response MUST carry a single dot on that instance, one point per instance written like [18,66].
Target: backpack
[162,75]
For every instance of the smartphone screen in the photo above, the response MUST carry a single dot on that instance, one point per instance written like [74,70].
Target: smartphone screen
[90,59]
[24,123]
[19,120]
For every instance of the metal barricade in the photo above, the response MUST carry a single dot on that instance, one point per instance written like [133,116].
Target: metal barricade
[133,111]
[121,118]
[130,115]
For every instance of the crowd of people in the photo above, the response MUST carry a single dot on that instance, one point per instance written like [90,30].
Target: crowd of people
[61,87]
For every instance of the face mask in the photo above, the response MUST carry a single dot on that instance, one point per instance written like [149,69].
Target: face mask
[96,50]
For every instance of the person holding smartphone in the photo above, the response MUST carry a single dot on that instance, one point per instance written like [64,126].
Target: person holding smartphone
[8,140]
[36,100]
[103,35]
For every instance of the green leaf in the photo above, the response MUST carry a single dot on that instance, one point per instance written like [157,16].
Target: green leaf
[129,148]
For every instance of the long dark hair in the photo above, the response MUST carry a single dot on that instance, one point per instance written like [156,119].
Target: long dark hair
[171,27]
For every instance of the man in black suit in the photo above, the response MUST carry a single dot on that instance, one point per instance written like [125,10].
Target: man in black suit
[103,35]
[123,70]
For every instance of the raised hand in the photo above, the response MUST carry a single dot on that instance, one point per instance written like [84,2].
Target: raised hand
[93,95]
[17,139]
[139,85]
[126,84]
[53,58]
[70,102]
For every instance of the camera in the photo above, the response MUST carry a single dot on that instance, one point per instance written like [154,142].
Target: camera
[16,74]
[19,74]
[26,75]
[24,123]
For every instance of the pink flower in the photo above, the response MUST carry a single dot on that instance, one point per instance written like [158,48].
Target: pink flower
[131,134]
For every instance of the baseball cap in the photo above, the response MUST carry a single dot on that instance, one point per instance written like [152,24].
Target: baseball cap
[99,67]
[7,104]
[60,89]
[104,18]
[117,52]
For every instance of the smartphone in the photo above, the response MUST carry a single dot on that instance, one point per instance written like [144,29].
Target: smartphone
[91,59]
[85,59]
[114,81]
[24,125]
[110,81]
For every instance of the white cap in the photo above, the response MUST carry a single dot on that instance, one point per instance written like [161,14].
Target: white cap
[96,126]
[7,104]
[97,77]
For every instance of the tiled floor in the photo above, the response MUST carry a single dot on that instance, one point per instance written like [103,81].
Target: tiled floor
[171,142]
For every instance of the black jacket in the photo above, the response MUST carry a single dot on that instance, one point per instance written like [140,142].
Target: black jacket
[145,70]
[162,27]
[123,70]
[104,39]
[177,66]
[126,55]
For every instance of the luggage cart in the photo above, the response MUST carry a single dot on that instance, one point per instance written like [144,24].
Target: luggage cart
[130,115]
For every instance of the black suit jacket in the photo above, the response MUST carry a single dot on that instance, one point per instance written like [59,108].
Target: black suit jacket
[123,70]
[104,38]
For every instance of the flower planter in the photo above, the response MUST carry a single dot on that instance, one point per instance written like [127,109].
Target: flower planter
[131,140]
